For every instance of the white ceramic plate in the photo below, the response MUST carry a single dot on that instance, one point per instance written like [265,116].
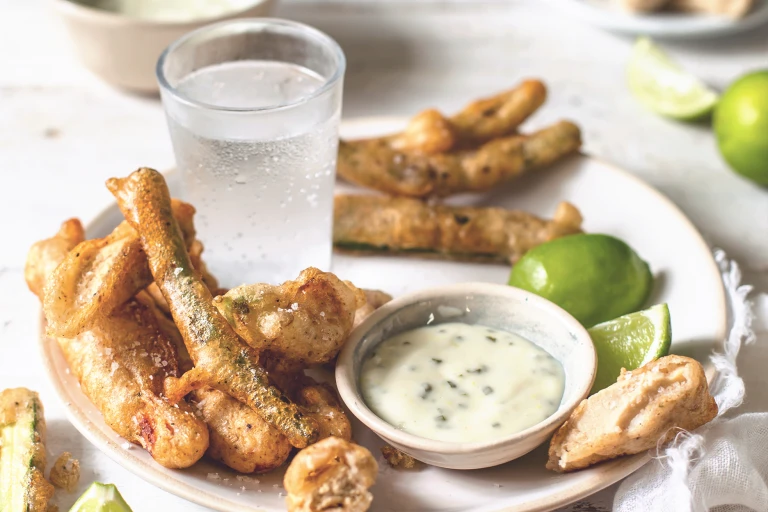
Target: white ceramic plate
[611,200]
[604,14]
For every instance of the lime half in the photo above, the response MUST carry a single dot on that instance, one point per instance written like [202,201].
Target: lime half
[630,341]
[101,498]
[665,88]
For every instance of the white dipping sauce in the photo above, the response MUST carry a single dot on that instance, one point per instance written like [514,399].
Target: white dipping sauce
[460,382]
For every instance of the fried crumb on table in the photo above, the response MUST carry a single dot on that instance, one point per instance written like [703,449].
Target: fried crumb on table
[65,472]
[398,459]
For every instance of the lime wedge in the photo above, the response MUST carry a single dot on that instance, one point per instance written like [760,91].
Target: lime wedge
[665,88]
[630,341]
[101,498]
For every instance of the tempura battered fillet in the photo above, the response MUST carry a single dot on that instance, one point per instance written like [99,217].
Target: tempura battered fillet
[222,360]
[296,324]
[482,120]
[376,224]
[376,164]
[99,275]
[330,476]
[645,406]
[121,364]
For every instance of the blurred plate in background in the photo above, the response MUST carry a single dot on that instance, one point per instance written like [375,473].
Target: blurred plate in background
[604,14]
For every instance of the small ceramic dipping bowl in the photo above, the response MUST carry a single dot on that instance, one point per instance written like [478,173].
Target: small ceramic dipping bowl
[123,49]
[496,306]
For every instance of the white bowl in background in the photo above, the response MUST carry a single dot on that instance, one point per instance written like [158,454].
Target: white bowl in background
[497,306]
[123,50]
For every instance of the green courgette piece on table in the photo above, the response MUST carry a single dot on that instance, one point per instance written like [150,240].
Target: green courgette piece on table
[23,488]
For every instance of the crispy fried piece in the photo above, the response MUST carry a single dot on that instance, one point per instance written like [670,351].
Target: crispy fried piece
[500,115]
[296,324]
[240,438]
[333,476]
[375,164]
[482,120]
[22,452]
[428,132]
[318,401]
[45,256]
[398,459]
[222,360]
[374,299]
[645,407]
[375,224]
[65,472]
[99,275]
[119,364]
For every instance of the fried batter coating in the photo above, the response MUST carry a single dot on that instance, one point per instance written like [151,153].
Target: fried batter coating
[374,299]
[45,255]
[376,224]
[500,115]
[330,476]
[376,164]
[22,452]
[644,407]
[296,324]
[318,401]
[99,275]
[239,437]
[222,360]
[121,364]
[65,472]
[430,132]
[397,459]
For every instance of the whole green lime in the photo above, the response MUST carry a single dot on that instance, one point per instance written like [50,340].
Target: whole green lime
[741,126]
[594,277]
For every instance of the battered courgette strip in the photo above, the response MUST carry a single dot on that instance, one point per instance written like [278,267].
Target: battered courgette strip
[377,224]
[23,488]
[500,115]
[99,275]
[222,360]
[375,164]
[480,121]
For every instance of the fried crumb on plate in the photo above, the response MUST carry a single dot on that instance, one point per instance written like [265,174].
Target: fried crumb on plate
[398,459]
[65,472]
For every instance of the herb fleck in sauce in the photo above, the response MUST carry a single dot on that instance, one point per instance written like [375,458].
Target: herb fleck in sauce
[463,383]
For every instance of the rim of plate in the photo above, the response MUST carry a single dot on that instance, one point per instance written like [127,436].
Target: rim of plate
[666,25]
[604,474]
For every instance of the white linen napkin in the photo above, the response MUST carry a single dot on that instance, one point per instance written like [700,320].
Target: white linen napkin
[724,464]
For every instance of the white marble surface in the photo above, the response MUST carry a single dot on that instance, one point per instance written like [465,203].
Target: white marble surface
[62,133]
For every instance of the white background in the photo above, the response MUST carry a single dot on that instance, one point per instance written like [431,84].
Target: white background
[62,133]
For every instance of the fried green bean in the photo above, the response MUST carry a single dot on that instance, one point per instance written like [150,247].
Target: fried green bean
[377,224]
[222,360]
[375,164]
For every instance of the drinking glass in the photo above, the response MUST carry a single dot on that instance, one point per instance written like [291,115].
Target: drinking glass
[253,108]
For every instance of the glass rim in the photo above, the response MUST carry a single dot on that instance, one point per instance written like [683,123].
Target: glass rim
[306,30]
